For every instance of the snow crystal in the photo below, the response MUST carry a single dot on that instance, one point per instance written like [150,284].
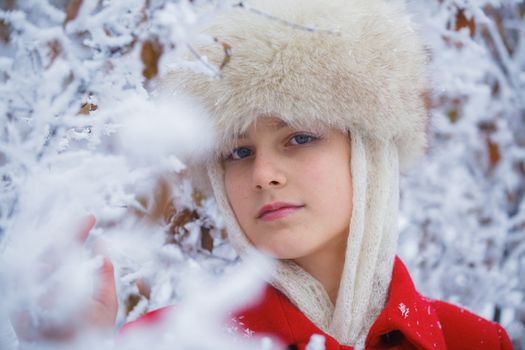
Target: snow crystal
[404,310]
[317,342]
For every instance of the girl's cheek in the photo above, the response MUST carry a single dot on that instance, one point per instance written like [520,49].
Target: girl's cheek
[313,171]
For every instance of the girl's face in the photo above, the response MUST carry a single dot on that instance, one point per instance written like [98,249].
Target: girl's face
[290,190]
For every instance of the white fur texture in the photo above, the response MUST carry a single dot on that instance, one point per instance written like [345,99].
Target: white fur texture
[363,70]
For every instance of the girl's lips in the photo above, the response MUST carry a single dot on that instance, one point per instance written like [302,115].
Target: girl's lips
[277,211]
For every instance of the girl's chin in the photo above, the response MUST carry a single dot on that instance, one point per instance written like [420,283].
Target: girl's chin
[285,246]
[278,254]
[281,254]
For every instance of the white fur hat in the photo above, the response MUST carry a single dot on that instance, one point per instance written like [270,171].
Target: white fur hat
[361,70]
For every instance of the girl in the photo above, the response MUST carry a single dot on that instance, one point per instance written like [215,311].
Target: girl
[318,109]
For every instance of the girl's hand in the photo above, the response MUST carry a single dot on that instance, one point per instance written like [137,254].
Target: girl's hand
[97,313]
[102,309]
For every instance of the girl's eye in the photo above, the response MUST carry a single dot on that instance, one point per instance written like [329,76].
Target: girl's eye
[240,153]
[301,139]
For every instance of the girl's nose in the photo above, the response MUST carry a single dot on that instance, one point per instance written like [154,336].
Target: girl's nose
[267,172]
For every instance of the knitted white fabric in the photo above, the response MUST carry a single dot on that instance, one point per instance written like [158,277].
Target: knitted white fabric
[370,250]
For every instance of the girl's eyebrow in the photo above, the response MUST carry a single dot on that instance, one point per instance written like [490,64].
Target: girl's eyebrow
[279,124]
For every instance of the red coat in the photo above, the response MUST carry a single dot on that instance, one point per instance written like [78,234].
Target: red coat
[408,321]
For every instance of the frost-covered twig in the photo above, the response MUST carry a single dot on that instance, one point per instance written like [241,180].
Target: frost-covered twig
[284,22]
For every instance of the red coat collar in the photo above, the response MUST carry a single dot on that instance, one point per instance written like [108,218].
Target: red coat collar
[407,319]
[408,313]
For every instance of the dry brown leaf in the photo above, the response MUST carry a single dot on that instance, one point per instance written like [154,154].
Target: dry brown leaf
[185,217]
[463,22]
[493,153]
[206,239]
[131,302]
[453,115]
[144,288]
[72,10]
[198,197]
[55,49]
[161,202]
[150,55]
[4,32]
[224,234]
[86,108]
[227,55]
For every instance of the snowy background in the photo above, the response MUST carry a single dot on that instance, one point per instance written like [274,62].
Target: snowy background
[79,134]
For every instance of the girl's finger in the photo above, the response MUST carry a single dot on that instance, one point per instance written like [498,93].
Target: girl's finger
[86,224]
[105,290]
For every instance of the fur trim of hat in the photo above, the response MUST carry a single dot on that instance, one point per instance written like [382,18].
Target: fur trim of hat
[363,69]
